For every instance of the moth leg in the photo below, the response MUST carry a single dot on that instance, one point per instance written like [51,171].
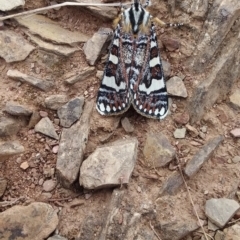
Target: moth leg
[163,24]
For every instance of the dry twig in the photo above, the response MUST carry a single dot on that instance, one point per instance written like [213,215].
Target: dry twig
[151,226]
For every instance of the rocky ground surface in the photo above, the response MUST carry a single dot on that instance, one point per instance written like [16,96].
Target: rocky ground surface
[68,173]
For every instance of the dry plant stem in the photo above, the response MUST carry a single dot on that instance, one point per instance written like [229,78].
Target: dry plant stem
[151,226]
[38,10]
[190,197]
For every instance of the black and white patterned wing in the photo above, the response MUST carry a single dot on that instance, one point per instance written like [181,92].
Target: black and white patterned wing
[113,95]
[147,81]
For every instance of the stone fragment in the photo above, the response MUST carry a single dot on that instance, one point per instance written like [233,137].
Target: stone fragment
[49,185]
[235,132]
[219,235]
[176,87]
[70,112]
[8,149]
[180,133]
[13,46]
[235,99]
[232,232]
[71,148]
[51,30]
[24,165]
[221,210]
[236,159]
[172,184]
[181,118]
[3,186]
[8,127]
[16,109]
[170,43]
[202,156]
[194,132]
[54,102]
[166,68]
[10,5]
[36,82]
[94,46]
[78,77]
[212,226]
[110,165]
[35,221]
[35,118]
[59,49]
[43,114]
[57,237]
[46,127]
[158,151]
[99,74]
[128,127]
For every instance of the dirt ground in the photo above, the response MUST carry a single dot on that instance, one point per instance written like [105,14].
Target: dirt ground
[219,177]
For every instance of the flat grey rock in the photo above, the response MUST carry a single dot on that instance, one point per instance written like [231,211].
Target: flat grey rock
[221,210]
[54,48]
[11,4]
[8,127]
[235,99]
[54,102]
[50,30]
[71,148]
[35,221]
[45,126]
[158,151]
[110,165]
[176,87]
[16,109]
[81,76]
[180,133]
[36,82]
[13,47]
[202,156]
[94,46]
[10,148]
[70,112]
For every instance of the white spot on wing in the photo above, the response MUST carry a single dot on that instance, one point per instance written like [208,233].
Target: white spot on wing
[153,62]
[113,59]
[156,85]
[114,109]
[102,107]
[110,82]
[108,108]
[162,111]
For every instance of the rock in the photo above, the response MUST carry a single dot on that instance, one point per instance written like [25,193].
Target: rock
[110,165]
[158,151]
[46,127]
[128,127]
[181,118]
[180,133]
[3,186]
[96,45]
[16,109]
[194,132]
[202,156]
[35,221]
[170,43]
[232,232]
[70,112]
[49,185]
[99,74]
[78,77]
[8,127]
[43,114]
[50,30]
[54,102]
[8,149]
[166,68]
[212,226]
[36,82]
[71,148]
[13,46]
[236,159]
[35,118]
[57,237]
[235,132]
[220,211]
[219,236]
[235,99]
[59,49]
[11,4]
[176,87]
[172,184]
[24,165]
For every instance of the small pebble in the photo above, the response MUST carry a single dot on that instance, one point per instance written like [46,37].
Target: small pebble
[235,132]
[43,114]
[55,149]
[49,185]
[236,159]
[24,165]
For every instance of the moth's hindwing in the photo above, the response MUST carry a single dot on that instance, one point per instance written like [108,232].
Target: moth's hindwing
[114,95]
[147,81]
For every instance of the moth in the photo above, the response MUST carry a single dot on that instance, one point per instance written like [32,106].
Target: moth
[133,74]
